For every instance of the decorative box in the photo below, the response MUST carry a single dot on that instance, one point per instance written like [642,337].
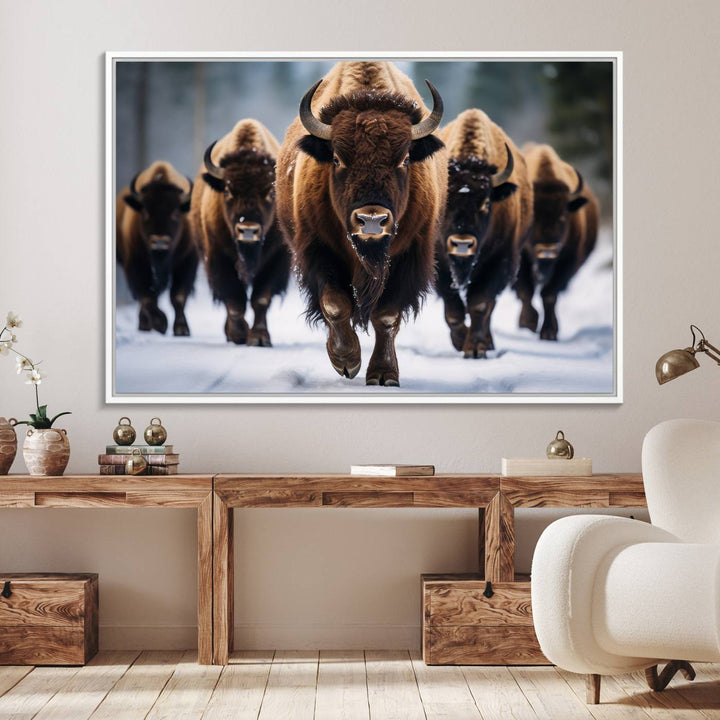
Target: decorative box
[467,621]
[48,618]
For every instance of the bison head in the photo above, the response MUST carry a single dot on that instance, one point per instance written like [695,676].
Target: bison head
[553,203]
[246,181]
[161,206]
[474,186]
[370,140]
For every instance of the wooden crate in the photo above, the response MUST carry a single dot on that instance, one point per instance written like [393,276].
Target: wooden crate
[48,618]
[461,626]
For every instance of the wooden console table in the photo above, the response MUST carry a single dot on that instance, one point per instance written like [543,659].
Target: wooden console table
[215,497]
[125,491]
[495,497]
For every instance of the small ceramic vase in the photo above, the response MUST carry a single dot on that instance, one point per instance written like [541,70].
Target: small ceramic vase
[46,451]
[8,444]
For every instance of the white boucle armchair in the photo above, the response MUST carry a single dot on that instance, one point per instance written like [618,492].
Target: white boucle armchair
[613,595]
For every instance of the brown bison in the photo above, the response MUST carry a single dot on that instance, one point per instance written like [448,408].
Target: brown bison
[234,226]
[361,189]
[563,234]
[154,245]
[487,218]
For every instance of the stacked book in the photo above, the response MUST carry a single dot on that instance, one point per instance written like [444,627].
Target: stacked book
[160,459]
[392,470]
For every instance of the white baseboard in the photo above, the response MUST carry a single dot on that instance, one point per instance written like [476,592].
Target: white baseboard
[266,637]
[150,637]
[327,637]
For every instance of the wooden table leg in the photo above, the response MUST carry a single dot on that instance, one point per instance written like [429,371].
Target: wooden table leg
[499,540]
[223,581]
[481,541]
[205,580]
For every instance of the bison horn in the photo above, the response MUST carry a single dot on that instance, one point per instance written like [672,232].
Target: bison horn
[186,196]
[133,189]
[310,122]
[431,123]
[500,177]
[575,193]
[212,169]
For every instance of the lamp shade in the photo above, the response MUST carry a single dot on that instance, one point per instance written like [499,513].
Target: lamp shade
[675,363]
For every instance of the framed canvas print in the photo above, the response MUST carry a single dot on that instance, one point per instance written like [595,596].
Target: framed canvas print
[429,228]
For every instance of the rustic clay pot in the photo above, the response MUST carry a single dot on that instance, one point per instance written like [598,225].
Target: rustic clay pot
[8,445]
[46,452]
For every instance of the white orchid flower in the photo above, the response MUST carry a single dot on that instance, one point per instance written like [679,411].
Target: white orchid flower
[23,364]
[5,346]
[35,377]
[13,320]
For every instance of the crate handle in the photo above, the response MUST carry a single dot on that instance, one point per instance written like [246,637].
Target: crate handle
[488,592]
[6,592]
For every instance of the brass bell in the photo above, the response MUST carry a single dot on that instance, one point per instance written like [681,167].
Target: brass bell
[560,448]
[136,464]
[124,433]
[155,433]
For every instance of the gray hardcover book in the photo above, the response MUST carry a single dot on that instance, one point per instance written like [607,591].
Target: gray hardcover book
[144,449]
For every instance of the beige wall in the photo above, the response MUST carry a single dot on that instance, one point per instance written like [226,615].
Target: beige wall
[315,577]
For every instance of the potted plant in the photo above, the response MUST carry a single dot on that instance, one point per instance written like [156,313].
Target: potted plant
[46,449]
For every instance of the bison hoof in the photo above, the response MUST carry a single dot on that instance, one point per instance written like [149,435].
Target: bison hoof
[258,338]
[529,319]
[457,336]
[346,360]
[236,330]
[160,322]
[386,379]
[476,352]
[153,319]
[347,371]
[548,334]
[181,329]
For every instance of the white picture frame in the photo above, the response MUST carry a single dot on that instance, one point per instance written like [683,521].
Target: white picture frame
[358,393]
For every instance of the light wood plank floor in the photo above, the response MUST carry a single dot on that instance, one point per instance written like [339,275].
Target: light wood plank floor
[349,685]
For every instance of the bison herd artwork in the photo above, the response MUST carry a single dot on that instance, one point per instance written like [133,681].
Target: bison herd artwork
[374,206]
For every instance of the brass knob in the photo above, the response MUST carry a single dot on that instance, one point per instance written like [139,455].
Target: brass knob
[124,433]
[560,448]
[155,433]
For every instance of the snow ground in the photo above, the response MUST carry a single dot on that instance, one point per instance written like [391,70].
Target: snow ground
[581,362]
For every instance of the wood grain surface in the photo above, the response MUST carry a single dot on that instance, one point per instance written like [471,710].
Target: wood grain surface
[28,645]
[223,580]
[49,619]
[499,540]
[594,491]
[358,491]
[346,688]
[43,602]
[503,645]
[127,491]
[463,603]
[205,578]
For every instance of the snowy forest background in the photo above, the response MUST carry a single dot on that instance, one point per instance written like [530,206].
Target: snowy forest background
[172,110]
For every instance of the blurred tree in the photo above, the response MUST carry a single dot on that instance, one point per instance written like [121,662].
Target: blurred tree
[509,93]
[581,117]
[141,112]
[198,113]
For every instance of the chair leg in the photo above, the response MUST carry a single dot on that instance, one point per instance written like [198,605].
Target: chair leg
[592,689]
[660,682]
